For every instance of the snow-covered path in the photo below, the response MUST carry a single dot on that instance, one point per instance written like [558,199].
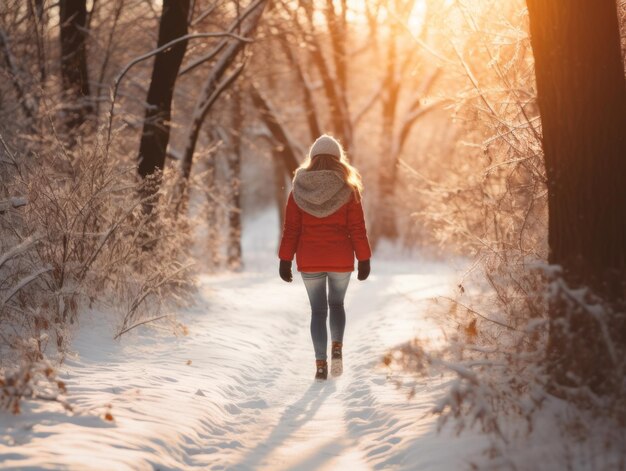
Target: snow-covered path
[238,391]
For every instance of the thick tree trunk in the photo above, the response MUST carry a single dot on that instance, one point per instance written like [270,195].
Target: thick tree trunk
[156,128]
[74,77]
[581,94]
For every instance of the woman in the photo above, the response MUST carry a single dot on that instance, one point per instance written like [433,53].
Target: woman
[324,227]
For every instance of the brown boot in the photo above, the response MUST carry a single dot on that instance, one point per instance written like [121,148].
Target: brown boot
[336,362]
[321,369]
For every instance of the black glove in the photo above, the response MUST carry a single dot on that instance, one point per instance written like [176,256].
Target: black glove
[285,270]
[364,270]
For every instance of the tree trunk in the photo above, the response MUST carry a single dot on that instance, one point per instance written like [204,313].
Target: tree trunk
[74,77]
[581,93]
[283,150]
[38,21]
[279,191]
[284,159]
[338,39]
[393,144]
[335,96]
[337,27]
[214,213]
[156,128]
[386,225]
[234,163]
[307,94]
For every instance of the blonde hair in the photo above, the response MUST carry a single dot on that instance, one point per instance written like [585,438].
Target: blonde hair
[351,175]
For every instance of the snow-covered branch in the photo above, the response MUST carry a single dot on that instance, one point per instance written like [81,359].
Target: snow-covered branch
[208,94]
[222,44]
[148,55]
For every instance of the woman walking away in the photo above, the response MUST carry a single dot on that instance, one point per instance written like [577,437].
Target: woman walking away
[324,227]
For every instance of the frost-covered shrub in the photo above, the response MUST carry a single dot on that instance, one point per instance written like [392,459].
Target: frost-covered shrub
[33,378]
[502,382]
[81,236]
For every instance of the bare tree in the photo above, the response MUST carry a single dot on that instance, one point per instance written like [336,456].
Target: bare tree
[14,72]
[38,20]
[234,164]
[395,133]
[215,84]
[333,73]
[283,149]
[386,225]
[396,127]
[156,128]
[312,118]
[74,76]
[109,47]
[581,92]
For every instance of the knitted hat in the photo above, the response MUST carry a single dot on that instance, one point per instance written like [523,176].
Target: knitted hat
[325,144]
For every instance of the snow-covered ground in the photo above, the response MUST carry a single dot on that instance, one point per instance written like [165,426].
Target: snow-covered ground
[238,393]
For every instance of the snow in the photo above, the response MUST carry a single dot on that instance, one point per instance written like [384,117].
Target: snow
[238,392]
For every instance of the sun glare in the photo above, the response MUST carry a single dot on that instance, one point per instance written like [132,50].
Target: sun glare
[417,16]
[356,14]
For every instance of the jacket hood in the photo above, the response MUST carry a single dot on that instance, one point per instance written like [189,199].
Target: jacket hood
[320,192]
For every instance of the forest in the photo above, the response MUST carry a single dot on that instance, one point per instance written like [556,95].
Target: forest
[149,154]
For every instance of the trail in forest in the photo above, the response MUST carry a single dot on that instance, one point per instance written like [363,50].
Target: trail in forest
[238,391]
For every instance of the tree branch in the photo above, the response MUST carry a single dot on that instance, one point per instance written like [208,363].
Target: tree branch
[148,55]
[216,50]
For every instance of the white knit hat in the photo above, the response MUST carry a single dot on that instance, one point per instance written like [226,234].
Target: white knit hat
[325,144]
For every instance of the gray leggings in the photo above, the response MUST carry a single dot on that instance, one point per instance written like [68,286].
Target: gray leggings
[315,284]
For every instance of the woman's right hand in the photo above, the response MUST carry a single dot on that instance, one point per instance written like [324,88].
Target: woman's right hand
[284,270]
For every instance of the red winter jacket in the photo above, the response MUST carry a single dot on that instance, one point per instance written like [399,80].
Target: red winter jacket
[325,243]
